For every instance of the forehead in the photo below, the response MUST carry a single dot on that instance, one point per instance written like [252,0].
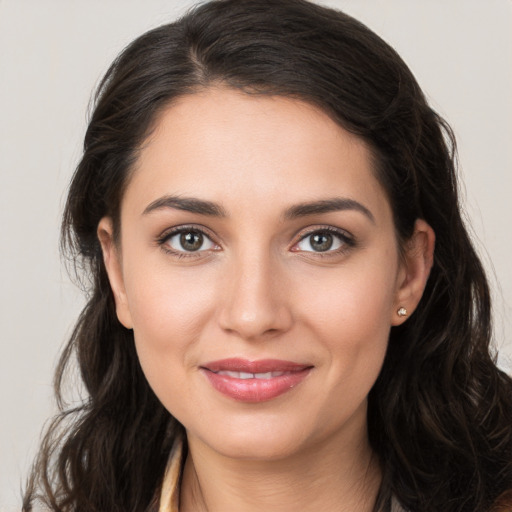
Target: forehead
[223,145]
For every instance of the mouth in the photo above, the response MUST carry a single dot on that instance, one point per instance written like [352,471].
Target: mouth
[254,381]
[246,375]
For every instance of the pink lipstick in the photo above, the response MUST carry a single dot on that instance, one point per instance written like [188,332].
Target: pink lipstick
[254,381]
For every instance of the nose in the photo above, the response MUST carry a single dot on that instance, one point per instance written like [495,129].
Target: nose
[255,304]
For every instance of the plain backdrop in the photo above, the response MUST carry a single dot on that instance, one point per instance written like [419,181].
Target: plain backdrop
[52,54]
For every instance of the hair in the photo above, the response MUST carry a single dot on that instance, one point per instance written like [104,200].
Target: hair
[440,413]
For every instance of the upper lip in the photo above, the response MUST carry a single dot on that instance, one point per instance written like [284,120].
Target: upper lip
[261,366]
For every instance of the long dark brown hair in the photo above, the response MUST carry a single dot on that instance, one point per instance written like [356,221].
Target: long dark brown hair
[440,413]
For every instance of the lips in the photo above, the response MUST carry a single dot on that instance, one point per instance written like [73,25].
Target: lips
[254,381]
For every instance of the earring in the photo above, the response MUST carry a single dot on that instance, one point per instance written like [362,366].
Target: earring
[401,311]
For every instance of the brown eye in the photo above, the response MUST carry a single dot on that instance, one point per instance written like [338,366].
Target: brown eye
[189,240]
[324,240]
[321,242]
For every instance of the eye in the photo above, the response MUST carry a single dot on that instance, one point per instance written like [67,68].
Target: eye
[188,240]
[324,240]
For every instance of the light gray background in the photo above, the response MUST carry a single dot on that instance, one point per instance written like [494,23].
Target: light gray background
[52,54]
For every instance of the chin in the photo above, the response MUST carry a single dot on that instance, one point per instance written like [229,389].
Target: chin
[259,448]
[253,439]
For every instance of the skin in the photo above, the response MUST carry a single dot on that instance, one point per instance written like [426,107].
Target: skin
[259,290]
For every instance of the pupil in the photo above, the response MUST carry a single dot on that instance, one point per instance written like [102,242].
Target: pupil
[321,242]
[191,241]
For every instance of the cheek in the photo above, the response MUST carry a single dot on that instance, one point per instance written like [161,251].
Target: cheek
[351,314]
[169,309]
[352,323]
[353,299]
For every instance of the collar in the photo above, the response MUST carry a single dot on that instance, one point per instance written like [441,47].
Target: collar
[170,493]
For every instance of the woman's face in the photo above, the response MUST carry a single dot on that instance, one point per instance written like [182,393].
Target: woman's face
[258,268]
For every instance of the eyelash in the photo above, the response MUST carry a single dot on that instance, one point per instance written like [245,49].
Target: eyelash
[167,235]
[347,241]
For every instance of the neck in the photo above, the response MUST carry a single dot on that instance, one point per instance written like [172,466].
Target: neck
[327,476]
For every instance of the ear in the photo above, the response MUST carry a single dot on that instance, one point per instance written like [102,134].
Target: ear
[113,264]
[414,271]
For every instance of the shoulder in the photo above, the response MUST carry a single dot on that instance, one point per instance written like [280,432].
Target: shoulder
[39,506]
[395,506]
[503,503]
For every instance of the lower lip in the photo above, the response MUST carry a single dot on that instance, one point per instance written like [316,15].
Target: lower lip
[255,390]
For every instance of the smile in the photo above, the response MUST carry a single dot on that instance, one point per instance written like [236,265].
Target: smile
[246,375]
[254,381]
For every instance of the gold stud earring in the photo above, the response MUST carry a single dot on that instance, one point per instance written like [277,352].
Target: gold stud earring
[401,311]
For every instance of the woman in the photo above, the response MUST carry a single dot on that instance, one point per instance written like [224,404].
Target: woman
[286,311]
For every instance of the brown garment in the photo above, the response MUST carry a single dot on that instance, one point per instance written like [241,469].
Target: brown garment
[503,503]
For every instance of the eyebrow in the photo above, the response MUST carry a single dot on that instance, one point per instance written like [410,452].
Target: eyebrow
[187,204]
[326,206]
[202,207]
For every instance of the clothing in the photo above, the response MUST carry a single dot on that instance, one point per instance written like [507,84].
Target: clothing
[170,493]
